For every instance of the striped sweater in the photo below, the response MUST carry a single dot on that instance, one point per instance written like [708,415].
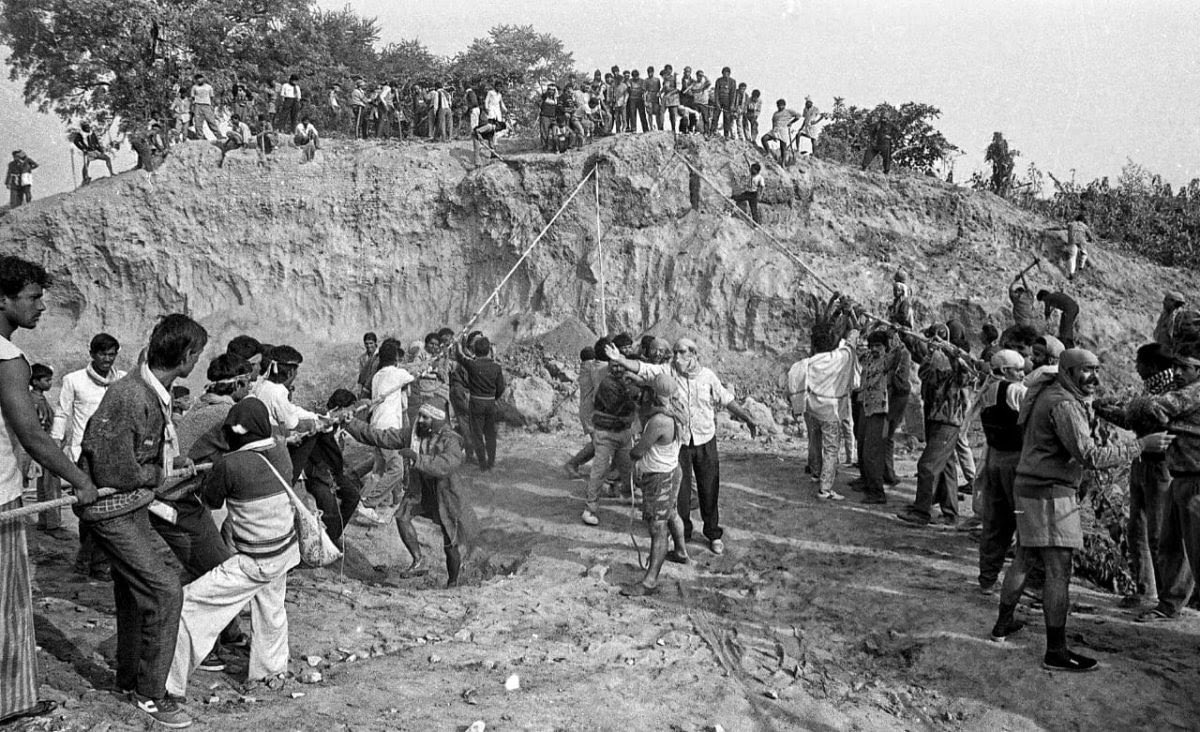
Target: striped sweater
[261,521]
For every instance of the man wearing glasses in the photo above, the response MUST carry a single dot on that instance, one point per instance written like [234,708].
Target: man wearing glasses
[700,395]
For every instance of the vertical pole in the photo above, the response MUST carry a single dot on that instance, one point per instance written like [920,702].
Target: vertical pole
[600,253]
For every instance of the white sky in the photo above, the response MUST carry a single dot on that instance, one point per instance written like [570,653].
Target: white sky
[1073,84]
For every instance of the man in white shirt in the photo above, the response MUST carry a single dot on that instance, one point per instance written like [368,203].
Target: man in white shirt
[202,108]
[289,104]
[752,192]
[701,392]
[307,139]
[78,399]
[383,488]
[282,364]
[816,386]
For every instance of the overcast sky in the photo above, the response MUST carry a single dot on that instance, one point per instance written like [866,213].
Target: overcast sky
[1073,84]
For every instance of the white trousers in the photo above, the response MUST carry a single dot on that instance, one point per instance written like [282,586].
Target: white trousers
[216,598]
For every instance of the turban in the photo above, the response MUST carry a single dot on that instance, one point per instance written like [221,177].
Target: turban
[437,415]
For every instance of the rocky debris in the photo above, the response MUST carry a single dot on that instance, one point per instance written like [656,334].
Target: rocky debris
[762,416]
[527,401]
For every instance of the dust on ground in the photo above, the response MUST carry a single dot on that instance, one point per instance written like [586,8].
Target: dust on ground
[820,616]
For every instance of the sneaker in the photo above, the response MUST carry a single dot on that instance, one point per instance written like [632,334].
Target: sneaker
[212,662]
[1001,631]
[166,711]
[717,546]
[590,518]
[366,514]
[1065,660]
[987,590]
[831,495]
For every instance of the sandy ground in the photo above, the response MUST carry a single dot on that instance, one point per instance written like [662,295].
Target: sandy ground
[820,616]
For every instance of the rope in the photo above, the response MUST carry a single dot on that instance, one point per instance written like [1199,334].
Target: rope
[783,249]
[600,252]
[36,508]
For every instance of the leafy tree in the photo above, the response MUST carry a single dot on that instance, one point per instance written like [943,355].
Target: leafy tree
[919,145]
[122,57]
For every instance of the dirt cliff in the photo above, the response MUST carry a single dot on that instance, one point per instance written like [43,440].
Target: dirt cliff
[402,238]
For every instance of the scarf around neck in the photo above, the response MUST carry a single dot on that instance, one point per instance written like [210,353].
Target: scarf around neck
[105,381]
[170,449]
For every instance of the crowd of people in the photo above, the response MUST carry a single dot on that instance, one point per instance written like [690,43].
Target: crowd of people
[649,409]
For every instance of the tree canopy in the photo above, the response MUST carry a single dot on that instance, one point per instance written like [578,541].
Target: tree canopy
[918,146]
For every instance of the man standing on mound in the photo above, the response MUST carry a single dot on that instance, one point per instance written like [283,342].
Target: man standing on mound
[1057,447]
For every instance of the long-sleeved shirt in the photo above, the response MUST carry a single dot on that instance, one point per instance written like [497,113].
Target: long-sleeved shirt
[279,405]
[826,378]
[1164,329]
[702,394]
[944,382]
[390,380]
[1181,408]
[485,378]
[589,379]
[78,400]
[724,89]
[123,447]
[885,379]
[260,519]
[1058,446]
[613,404]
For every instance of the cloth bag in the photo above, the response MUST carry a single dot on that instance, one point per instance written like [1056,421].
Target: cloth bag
[316,548]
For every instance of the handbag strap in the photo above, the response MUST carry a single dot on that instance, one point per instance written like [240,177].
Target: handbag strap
[291,493]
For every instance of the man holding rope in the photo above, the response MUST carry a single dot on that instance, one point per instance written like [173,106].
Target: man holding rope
[130,445]
[21,305]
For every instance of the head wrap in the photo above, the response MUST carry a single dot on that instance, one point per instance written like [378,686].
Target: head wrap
[663,385]
[1054,347]
[1007,359]
[1176,296]
[437,415]
[1075,357]
[248,421]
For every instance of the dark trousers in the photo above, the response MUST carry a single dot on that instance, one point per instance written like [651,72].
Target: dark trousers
[725,115]
[874,453]
[884,151]
[49,488]
[635,109]
[703,462]
[90,556]
[751,199]
[937,471]
[148,597]
[460,402]
[288,115]
[336,495]
[1149,494]
[197,544]
[897,408]
[359,117]
[1179,545]
[1066,326]
[483,431]
[999,521]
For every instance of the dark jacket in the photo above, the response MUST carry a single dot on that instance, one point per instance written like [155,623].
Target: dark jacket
[485,378]
[615,404]
[122,448]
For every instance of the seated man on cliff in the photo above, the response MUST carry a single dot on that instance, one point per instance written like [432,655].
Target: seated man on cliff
[434,452]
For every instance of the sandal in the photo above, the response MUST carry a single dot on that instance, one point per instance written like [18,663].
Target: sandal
[41,709]
[678,557]
[637,589]
[1154,616]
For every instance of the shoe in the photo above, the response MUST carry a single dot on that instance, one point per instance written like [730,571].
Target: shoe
[366,514]
[912,518]
[874,500]
[590,518]
[1065,660]
[166,711]
[212,662]
[241,643]
[101,574]
[987,590]
[717,547]
[58,532]
[1001,631]
[1155,615]
[831,495]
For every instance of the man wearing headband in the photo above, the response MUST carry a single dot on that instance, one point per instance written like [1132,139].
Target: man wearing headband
[434,453]
[282,363]
[192,535]
[1000,402]
[1057,447]
[1179,544]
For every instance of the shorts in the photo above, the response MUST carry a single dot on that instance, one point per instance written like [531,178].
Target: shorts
[660,492]
[1048,522]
